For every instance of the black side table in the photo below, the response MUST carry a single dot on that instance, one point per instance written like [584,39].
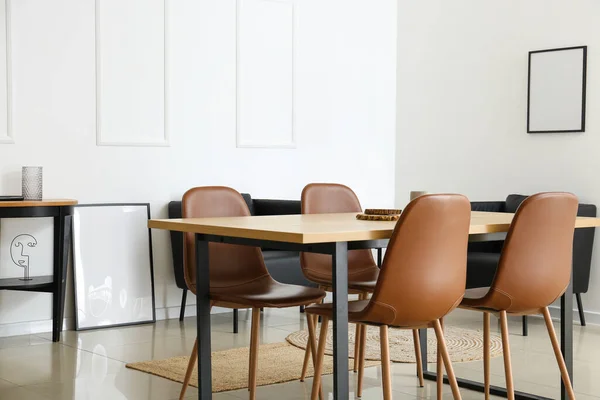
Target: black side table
[62,212]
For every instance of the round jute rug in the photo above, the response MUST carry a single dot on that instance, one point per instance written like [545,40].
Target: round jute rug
[463,344]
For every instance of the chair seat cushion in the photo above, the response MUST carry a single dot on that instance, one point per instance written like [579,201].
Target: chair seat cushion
[484,299]
[477,293]
[326,309]
[474,298]
[267,292]
[363,280]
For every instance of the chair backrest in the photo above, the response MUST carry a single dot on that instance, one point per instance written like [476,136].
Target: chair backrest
[535,264]
[423,275]
[230,265]
[322,198]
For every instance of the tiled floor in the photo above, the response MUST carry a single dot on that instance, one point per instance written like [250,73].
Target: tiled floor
[91,365]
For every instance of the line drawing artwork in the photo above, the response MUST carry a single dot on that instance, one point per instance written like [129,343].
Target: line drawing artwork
[20,252]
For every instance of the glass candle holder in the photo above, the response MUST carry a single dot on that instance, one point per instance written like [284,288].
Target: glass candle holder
[32,183]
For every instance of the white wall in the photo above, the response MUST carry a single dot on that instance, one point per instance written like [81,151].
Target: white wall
[462,97]
[344,115]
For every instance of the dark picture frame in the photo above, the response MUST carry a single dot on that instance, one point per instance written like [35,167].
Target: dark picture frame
[579,126]
[77,278]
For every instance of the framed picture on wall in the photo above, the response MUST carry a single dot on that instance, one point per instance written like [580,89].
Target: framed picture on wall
[556,89]
[112,260]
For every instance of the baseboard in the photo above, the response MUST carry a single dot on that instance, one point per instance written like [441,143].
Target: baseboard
[45,326]
[33,327]
[37,327]
[190,311]
[591,317]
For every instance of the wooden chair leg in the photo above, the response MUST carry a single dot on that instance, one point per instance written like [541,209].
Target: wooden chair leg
[486,354]
[510,390]
[312,325]
[361,363]
[439,333]
[385,362]
[417,344]
[251,358]
[558,354]
[440,366]
[319,362]
[310,346]
[254,352]
[190,369]
[357,334]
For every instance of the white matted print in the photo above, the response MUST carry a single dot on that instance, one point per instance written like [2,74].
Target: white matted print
[26,247]
[112,259]
[556,90]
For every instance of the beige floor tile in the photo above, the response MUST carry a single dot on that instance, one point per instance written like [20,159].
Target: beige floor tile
[4,385]
[22,341]
[124,385]
[162,347]
[52,363]
[87,340]
[89,365]
[20,393]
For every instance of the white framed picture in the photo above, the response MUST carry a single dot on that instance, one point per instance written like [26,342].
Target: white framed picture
[556,90]
[112,260]
[26,247]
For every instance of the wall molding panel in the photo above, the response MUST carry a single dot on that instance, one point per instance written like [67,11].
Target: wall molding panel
[131,73]
[265,74]
[6,132]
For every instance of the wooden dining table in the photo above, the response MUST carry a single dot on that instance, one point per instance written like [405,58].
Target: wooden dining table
[333,234]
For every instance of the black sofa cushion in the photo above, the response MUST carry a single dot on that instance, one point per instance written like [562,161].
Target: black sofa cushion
[513,201]
[276,207]
[481,269]
[583,243]
[249,202]
[489,206]
[284,267]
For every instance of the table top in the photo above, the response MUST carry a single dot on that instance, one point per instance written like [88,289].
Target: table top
[38,203]
[323,228]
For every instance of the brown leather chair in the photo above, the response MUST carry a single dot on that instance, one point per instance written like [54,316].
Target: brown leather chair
[238,277]
[533,271]
[422,279]
[321,198]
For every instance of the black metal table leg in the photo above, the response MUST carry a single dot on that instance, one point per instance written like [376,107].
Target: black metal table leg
[423,343]
[183,301]
[379,256]
[580,309]
[340,321]
[62,240]
[235,320]
[203,319]
[525,325]
[566,334]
